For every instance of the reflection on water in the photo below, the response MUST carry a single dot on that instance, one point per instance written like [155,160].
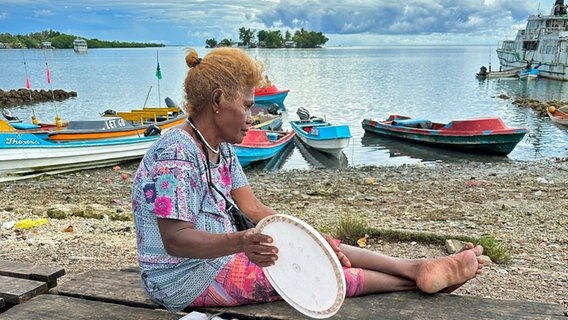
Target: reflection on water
[541,89]
[419,151]
[318,159]
[275,163]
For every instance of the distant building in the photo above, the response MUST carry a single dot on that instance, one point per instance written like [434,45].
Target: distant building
[46,45]
[290,44]
[2,45]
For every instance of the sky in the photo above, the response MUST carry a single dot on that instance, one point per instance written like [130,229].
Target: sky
[344,22]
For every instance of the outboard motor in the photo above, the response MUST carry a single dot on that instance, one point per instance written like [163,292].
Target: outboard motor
[108,112]
[9,116]
[273,109]
[170,103]
[303,113]
[152,130]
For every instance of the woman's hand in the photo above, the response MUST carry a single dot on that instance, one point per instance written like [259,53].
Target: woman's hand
[258,248]
[334,243]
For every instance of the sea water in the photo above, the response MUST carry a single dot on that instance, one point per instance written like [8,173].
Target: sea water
[342,84]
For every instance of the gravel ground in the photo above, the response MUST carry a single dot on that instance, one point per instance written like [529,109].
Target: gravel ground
[522,204]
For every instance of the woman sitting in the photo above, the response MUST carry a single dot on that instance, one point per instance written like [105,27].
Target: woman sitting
[189,249]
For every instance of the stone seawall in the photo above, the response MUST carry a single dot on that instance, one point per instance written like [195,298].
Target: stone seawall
[22,96]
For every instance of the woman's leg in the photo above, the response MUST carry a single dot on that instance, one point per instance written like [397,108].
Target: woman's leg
[385,274]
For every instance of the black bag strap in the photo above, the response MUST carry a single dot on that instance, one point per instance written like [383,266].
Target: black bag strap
[208,167]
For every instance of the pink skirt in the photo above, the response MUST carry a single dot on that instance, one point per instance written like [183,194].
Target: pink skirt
[242,282]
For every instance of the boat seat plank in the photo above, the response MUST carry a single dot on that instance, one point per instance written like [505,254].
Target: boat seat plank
[121,287]
[17,290]
[138,116]
[307,124]
[127,290]
[2,303]
[30,271]
[159,110]
[56,307]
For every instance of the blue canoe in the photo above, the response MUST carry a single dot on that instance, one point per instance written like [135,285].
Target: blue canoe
[322,135]
[270,94]
[261,145]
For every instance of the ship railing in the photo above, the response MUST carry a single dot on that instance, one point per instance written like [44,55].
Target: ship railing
[553,29]
[507,45]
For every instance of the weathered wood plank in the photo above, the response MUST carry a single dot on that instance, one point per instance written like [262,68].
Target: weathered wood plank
[31,271]
[409,305]
[17,290]
[55,307]
[122,287]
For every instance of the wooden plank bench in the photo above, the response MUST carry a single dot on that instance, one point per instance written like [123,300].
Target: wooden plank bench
[30,271]
[18,290]
[121,287]
[124,287]
[55,307]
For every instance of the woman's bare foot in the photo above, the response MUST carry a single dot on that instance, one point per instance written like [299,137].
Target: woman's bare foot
[466,246]
[449,273]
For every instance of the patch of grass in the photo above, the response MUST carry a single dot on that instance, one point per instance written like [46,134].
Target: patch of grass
[350,228]
[494,249]
[421,237]
[491,246]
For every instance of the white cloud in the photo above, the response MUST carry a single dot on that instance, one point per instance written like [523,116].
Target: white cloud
[197,20]
[43,13]
[3,15]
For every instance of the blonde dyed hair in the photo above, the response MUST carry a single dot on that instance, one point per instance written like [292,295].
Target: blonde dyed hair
[229,69]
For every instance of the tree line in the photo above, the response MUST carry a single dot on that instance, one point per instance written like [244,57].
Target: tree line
[63,41]
[273,39]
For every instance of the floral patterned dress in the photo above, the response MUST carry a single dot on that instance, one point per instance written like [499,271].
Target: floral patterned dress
[171,183]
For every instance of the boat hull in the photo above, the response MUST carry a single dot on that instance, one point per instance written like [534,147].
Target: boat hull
[482,140]
[113,131]
[24,154]
[272,98]
[327,138]
[512,73]
[248,153]
[558,117]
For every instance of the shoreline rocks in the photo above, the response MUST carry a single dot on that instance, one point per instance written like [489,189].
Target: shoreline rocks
[538,106]
[18,97]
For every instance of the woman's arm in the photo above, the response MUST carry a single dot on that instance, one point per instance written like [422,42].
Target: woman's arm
[249,204]
[182,240]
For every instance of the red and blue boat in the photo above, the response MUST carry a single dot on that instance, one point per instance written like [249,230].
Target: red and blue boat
[482,135]
[259,145]
[270,94]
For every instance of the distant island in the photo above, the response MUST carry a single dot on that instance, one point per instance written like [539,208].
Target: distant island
[57,40]
[272,39]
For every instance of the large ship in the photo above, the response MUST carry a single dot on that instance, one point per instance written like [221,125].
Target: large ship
[543,42]
[80,45]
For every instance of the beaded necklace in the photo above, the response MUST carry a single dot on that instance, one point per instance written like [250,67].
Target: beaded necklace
[201,137]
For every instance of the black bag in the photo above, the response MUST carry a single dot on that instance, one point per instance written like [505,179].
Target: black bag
[239,218]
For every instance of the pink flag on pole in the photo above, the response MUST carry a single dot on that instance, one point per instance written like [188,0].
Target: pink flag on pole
[28,85]
[48,74]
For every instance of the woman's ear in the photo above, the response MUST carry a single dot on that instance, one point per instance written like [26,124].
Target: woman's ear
[216,100]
